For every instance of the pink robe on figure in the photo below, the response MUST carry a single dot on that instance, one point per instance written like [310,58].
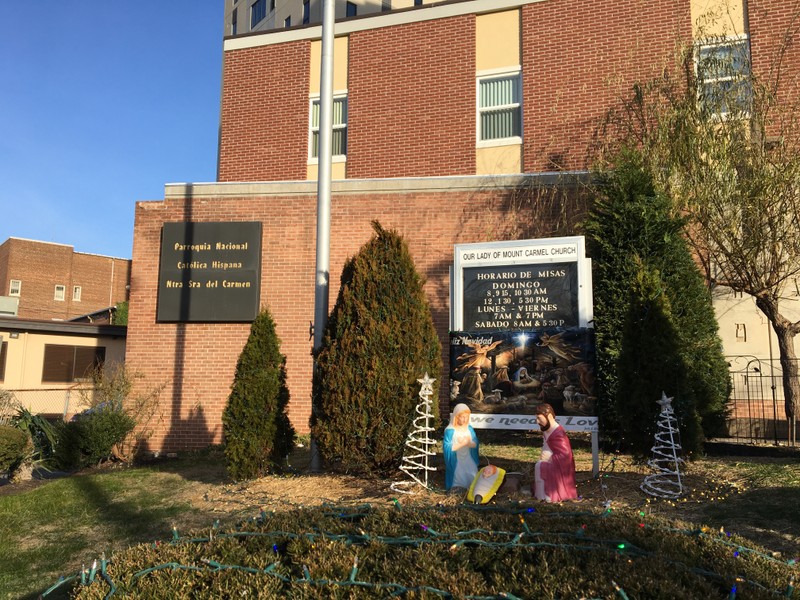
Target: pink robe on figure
[555,476]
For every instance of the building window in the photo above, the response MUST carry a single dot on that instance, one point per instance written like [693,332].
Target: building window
[351,9]
[417,2]
[14,287]
[339,138]
[271,5]
[741,332]
[723,73]
[499,107]
[76,293]
[386,5]
[258,10]
[306,11]
[67,364]
[3,355]
[287,22]
[234,22]
[60,293]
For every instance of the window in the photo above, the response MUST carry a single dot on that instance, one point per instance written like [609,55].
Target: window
[499,108]
[271,5]
[723,72]
[741,332]
[306,11]
[234,22]
[66,364]
[3,354]
[60,293]
[258,10]
[14,287]
[76,293]
[417,2]
[351,9]
[386,5]
[339,142]
[287,22]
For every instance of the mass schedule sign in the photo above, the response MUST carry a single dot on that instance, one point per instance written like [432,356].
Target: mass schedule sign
[209,272]
[522,285]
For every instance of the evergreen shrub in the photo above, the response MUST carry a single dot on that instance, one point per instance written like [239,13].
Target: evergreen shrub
[257,430]
[93,436]
[379,341]
[13,447]
[632,226]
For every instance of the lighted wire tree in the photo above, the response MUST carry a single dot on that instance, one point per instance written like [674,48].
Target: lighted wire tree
[416,458]
[666,461]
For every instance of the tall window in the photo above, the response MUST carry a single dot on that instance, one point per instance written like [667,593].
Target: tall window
[287,22]
[258,10]
[76,293]
[59,293]
[339,142]
[723,72]
[65,364]
[234,22]
[14,287]
[3,354]
[351,9]
[499,107]
[306,11]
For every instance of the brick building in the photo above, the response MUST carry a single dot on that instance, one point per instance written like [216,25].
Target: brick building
[444,115]
[52,281]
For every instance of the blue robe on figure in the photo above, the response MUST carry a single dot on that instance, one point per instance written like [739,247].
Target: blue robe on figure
[460,459]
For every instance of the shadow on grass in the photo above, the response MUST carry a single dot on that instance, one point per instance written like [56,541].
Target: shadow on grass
[767,515]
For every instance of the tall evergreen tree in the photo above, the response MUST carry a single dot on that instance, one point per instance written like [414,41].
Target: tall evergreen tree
[631,226]
[379,340]
[258,433]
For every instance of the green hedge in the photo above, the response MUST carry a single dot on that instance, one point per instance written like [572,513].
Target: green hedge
[499,551]
[13,447]
[379,341]
[92,436]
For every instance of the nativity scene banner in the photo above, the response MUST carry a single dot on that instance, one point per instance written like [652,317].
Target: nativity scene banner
[503,375]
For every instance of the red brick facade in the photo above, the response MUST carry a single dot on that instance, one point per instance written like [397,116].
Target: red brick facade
[412,105]
[579,59]
[197,361]
[41,266]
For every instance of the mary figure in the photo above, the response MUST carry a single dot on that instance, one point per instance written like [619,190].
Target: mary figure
[460,449]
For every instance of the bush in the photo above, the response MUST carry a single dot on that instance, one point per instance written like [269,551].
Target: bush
[632,227]
[13,448]
[257,430]
[93,437]
[379,340]
[447,552]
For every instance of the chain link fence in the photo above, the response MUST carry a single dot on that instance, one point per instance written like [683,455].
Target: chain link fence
[54,402]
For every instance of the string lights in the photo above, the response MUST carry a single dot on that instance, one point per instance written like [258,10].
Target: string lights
[416,458]
[666,481]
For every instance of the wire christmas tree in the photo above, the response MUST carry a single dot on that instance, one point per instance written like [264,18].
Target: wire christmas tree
[416,458]
[666,481]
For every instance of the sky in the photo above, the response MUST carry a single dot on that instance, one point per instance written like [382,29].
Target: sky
[101,104]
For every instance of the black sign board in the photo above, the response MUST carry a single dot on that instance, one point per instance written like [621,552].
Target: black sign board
[532,296]
[210,272]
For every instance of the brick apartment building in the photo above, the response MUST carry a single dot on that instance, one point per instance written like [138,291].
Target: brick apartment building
[47,281]
[443,113]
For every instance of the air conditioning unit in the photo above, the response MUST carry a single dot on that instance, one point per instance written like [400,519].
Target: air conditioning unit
[9,306]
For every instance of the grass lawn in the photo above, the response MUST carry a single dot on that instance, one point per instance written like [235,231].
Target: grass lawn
[52,528]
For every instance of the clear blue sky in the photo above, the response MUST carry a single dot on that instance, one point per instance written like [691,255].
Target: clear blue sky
[101,104]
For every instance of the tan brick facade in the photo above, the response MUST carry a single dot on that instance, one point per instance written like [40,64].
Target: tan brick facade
[41,266]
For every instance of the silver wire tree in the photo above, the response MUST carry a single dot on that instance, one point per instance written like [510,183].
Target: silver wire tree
[666,461]
[416,458]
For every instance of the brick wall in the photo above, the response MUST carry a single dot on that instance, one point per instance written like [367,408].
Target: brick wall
[264,115]
[40,266]
[197,361]
[411,95]
[579,59]
[775,39]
